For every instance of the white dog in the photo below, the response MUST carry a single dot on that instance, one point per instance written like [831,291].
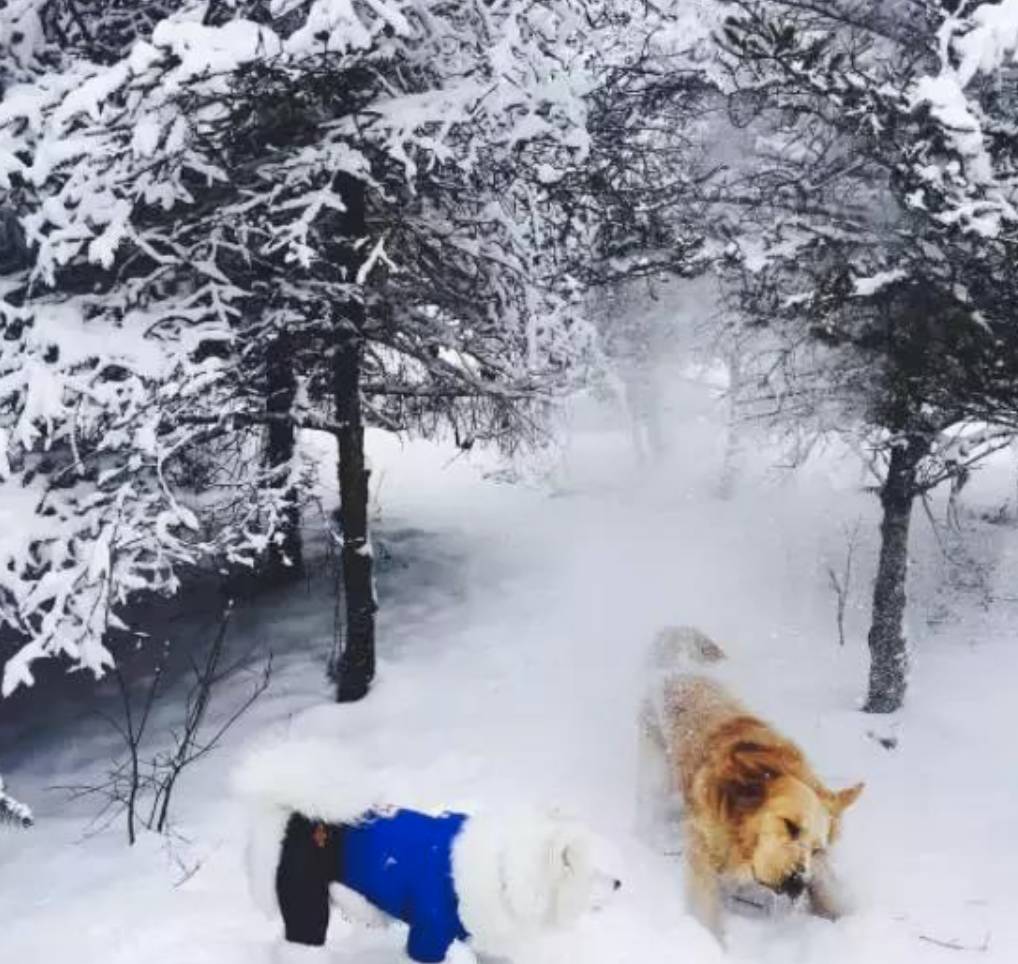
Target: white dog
[323,824]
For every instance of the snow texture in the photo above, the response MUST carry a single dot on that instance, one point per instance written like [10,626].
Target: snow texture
[514,625]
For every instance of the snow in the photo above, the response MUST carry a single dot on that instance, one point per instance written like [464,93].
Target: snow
[202,49]
[21,31]
[89,96]
[987,46]
[146,136]
[864,287]
[13,811]
[982,39]
[344,26]
[514,621]
[948,104]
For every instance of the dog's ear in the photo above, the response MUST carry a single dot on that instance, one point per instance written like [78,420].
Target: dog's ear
[570,850]
[841,800]
[566,857]
[559,852]
[749,767]
[741,797]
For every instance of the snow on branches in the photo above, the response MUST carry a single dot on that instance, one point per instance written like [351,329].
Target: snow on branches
[974,79]
[13,812]
[179,181]
[876,209]
[870,233]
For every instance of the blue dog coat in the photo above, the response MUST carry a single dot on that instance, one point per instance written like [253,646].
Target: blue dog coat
[402,863]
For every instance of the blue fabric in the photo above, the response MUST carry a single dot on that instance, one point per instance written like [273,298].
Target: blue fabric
[402,863]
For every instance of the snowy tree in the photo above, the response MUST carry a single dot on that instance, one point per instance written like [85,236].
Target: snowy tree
[268,217]
[872,245]
[12,811]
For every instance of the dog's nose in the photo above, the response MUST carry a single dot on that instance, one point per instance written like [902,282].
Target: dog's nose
[793,885]
[617,885]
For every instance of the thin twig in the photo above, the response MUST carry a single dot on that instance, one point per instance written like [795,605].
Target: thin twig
[957,945]
[842,584]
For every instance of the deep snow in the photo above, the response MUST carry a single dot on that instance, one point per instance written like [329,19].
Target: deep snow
[513,622]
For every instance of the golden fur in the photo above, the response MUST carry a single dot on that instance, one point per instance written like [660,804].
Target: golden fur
[754,812]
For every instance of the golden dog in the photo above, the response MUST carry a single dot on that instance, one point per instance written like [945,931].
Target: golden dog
[757,819]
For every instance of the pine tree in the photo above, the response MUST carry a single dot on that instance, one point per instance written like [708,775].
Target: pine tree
[269,218]
[870,237]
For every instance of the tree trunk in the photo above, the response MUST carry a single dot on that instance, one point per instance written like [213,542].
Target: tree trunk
[356,665]
[285,560]
[888,654]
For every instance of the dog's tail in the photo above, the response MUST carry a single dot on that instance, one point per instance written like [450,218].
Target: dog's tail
[674,652]
[679,648]
[319,779]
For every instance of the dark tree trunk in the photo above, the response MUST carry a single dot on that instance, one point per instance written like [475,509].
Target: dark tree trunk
[285,559]
[888,653]
[355,668]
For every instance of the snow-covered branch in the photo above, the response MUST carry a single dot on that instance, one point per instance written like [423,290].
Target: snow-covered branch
[182,180]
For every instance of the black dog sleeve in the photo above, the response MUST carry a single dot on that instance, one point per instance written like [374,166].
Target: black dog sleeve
[309,861]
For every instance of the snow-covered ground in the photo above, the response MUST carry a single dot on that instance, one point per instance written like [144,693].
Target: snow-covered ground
[513,623]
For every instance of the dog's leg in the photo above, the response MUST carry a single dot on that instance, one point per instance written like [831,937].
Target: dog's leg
[302,883]
[703,889]
[657,804]
[826,896]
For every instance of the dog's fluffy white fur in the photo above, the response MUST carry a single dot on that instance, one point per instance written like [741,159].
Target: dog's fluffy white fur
[516,873]
[520,872]
[318,779]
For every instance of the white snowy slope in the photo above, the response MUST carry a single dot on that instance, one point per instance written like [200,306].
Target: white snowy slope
[511,642]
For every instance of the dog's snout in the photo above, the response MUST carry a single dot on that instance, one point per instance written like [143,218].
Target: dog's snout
[617,885]
[793,885]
